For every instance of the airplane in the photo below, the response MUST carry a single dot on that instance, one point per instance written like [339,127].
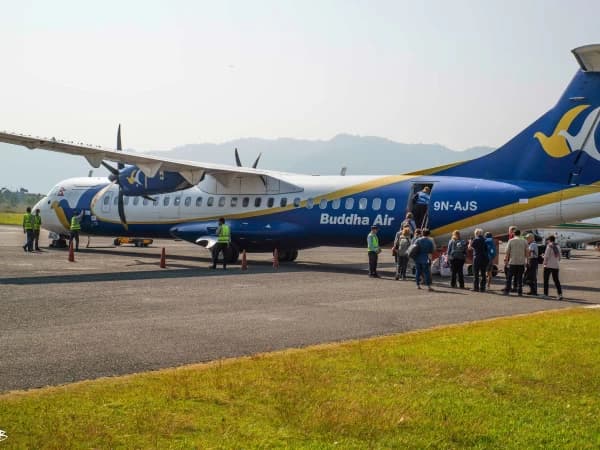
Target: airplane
[549,173]
[571,235]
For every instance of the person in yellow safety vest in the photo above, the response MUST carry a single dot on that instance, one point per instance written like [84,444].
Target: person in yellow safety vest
[37,225]
[28,230]
[75,228]
[373,250]
[222,245]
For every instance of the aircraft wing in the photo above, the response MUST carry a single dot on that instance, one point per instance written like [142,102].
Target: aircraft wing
[192,171]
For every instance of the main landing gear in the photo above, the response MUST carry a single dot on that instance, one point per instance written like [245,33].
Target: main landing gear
[288,255]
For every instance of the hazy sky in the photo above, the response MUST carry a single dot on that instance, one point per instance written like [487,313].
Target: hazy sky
[460,73]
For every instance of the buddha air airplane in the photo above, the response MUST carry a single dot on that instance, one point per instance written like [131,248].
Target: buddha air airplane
[547,174]
[573,234]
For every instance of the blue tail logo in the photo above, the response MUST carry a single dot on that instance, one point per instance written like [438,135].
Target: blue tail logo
[562,142]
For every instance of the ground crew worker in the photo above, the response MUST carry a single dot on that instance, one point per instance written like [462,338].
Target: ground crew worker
[373,250]
[37,225]
[28,230]
[222,245]
[75,228]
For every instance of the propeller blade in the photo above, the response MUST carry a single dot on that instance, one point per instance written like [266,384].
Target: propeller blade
[121,208]
[119,147]
[256,162]
[114,173]
[237,159]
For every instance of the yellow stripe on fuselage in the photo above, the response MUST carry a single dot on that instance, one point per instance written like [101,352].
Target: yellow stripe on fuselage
[345,192]
[516,208]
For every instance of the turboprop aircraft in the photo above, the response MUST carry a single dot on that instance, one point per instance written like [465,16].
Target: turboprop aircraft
[573,234]
[547,174]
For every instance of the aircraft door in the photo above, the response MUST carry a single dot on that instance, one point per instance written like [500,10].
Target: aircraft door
[418,201]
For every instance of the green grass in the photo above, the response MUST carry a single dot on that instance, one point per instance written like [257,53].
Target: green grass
[524,382]
[7,218]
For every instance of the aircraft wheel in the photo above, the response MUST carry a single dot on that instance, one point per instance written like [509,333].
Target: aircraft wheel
[117,242]
[288,255]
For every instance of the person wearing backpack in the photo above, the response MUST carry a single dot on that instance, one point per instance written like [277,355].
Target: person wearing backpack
[401,244]
[480,260]
[491,252]
[457,253]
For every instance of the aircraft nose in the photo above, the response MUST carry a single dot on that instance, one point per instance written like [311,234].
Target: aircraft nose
[50,220]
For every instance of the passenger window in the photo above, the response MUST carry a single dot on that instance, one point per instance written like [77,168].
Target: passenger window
[257,202]
[336,204]
[188,201]
[176,201]
[116,202]
[199,202]
[297,202]
[323,203]
[126,201]
[349,203]
[245,202]
[376,205]
[145,202]
[107,200]
[310,203]
[156,201]
[362,203]
[390,204]
[166,200]
[270,202]
[233,202]
[210,201]
[221,202]
[136,200]
[283,202]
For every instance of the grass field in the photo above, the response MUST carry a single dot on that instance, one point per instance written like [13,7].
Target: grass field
[7,218]
[524,382]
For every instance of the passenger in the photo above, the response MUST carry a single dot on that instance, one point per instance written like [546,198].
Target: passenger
[516,257]
[511,234]
[28,230]
[75,228]
[457,253]
[222,245]
[418,234]
[410,223]
[491,252]
[480,260]
[37,225]
[401,244]
[423,259]
[420,205]
[551,264]
[532,265]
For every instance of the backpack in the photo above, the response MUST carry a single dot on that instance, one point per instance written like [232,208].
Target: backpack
[403,245]
[491,248]
[460,250]
[414,249]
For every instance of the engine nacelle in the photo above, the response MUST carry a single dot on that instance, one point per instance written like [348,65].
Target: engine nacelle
[134,182]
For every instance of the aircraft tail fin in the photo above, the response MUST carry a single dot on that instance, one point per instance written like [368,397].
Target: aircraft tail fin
[562,146]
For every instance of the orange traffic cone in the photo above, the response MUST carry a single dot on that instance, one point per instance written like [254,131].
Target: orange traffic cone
[163,259]
[244,261]
[275,259]
[71,252]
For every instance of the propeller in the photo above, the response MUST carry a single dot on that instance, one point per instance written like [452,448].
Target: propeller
[238,161]
[114,177]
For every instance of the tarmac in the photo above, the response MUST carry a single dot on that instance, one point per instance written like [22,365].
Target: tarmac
[114,311]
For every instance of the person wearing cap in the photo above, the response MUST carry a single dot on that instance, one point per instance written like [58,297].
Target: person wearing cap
[531,267]
[222,245]
[75,228]
[373,250]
